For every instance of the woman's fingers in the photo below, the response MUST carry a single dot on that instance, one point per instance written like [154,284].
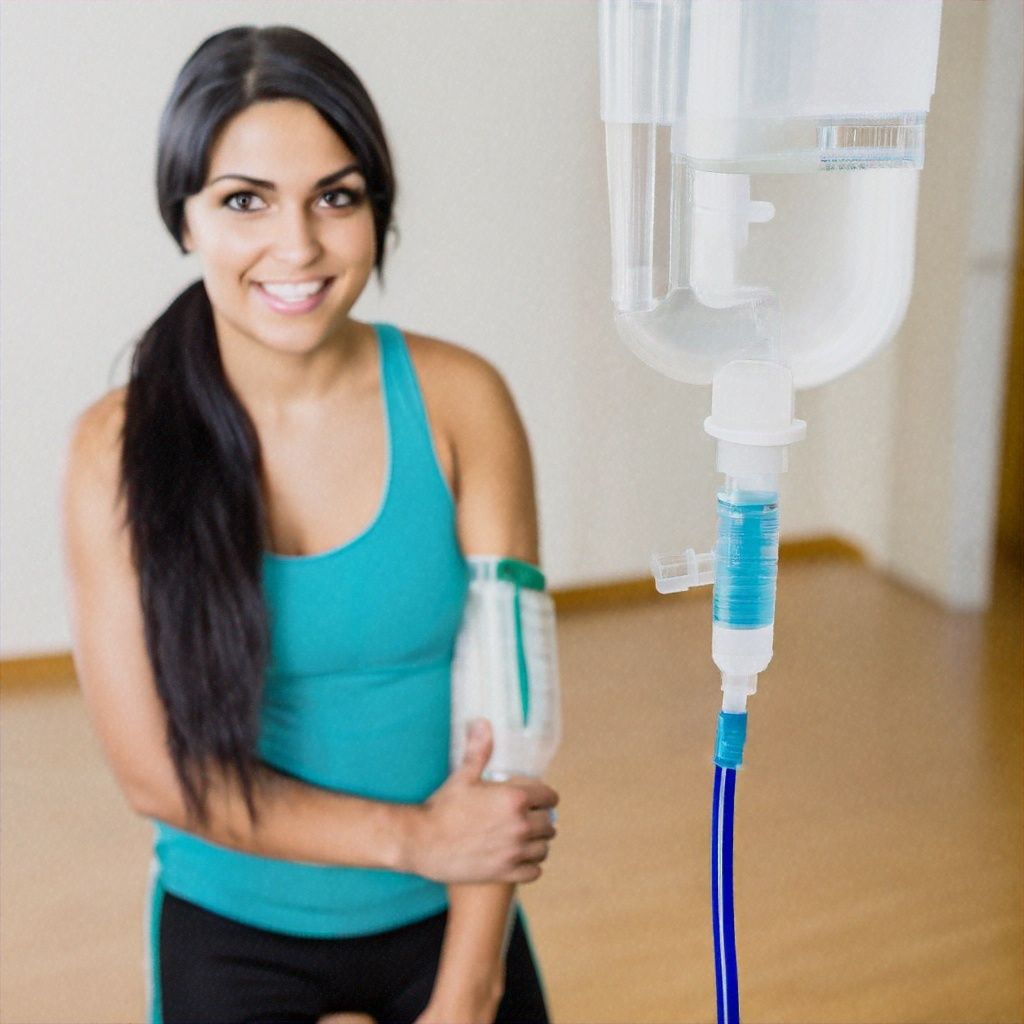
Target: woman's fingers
[524,873]
[536,852]
[539,794]
[540,825]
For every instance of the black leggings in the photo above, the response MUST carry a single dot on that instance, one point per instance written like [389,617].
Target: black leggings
[211,969]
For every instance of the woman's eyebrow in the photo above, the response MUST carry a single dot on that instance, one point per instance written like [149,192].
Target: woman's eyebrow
[328,180]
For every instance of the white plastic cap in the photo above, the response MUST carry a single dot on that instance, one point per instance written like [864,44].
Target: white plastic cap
[752,402]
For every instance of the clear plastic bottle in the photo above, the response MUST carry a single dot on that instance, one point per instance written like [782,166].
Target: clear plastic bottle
[505,668]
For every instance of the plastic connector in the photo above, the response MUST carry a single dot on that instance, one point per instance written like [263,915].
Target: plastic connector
[737,688]
[729,741]
[676,573]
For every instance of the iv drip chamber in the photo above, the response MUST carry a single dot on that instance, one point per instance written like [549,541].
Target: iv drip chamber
[706,105]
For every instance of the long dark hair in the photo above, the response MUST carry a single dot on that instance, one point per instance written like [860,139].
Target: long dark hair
[190,460]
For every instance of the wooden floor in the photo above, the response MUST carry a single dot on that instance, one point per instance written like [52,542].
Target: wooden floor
[878,823]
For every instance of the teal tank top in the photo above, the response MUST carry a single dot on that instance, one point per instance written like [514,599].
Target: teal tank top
[357,694]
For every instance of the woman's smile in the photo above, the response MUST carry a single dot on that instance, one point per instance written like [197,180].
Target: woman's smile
[293,298]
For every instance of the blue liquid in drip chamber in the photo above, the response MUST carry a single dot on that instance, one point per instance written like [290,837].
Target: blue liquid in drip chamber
[746,559]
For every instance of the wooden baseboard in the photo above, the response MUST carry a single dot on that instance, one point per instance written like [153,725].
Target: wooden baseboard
[49,670]
[821,547]
[59,669]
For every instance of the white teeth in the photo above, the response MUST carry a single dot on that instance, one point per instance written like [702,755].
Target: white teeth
[294,292]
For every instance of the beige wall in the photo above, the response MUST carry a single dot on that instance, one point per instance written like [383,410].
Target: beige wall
[492,114]
[953,351]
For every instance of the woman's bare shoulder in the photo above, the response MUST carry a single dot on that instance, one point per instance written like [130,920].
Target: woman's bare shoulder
[92,501]
[96,432]
[446,355]
[494,470]
[106,408]
[457,377]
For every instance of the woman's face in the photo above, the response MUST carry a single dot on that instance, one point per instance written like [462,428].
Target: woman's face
[293,227]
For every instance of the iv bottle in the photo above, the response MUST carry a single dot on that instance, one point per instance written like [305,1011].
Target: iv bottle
[505,668]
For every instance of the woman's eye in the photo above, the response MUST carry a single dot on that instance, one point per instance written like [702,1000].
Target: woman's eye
[351,199]
[351,196]
[240,195]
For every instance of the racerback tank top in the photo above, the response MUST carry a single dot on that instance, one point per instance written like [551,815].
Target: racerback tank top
[357,692]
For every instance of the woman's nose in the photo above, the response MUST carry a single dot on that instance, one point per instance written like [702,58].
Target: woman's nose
[295,237]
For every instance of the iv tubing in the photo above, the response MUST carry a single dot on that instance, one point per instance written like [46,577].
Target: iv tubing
[726,976]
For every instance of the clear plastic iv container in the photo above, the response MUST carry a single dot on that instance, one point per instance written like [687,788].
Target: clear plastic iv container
[505,668]
[711,107]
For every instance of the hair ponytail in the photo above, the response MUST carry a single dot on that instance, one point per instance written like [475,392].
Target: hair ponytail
[190,458]
[190,461]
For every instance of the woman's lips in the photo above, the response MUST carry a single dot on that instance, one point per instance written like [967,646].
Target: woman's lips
[292,308]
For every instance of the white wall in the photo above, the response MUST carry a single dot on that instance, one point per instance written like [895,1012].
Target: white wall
[953,362]
[492,114]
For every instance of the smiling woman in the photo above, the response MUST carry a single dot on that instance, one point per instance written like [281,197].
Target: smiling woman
[288,245]
[283,718]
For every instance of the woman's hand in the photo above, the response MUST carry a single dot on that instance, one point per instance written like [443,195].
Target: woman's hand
[471,830]
[454,1002]
[459,1013]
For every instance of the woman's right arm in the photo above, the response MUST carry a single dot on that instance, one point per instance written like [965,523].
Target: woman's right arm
[469,830]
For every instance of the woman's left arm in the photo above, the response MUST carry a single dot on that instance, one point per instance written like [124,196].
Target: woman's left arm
[471,974]
[496,515]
